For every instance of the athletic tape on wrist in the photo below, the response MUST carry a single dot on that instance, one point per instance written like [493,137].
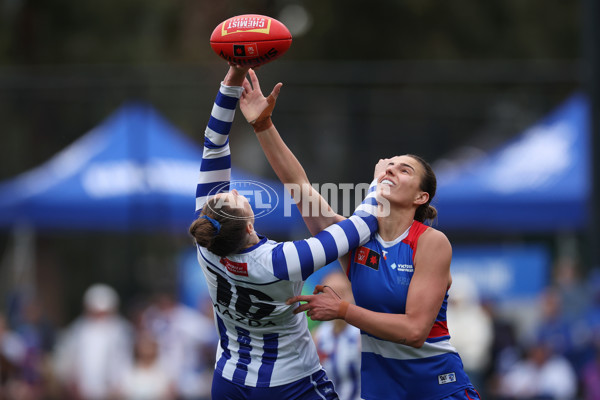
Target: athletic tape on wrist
[343,309]
[263,122]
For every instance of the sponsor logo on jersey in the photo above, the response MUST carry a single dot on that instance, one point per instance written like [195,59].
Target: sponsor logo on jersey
[367,257]
[255,323]
[402,267]
[446,378]
[235,267]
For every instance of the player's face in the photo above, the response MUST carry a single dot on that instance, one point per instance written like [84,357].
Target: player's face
[235,200]
[400,182]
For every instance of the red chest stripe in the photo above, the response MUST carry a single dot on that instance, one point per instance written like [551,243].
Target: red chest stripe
[416,229]
[439,329]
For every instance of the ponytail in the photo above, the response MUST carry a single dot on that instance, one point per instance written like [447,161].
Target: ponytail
[426,212]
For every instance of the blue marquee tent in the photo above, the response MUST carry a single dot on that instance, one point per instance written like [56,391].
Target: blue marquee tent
[133,172]
[538,182]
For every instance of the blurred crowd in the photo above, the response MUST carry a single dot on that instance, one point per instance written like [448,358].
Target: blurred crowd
[554,355]
[165,350]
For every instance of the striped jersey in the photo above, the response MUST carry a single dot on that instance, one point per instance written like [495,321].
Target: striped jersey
[381,273]
[262,342]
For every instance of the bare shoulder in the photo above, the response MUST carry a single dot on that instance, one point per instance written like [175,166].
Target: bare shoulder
[432,234]
[433,240]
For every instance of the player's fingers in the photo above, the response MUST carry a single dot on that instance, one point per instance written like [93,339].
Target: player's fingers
[318,289]
[247,86]
[276,90]
[254,79]
[329,290]
[301,308]
[296,299]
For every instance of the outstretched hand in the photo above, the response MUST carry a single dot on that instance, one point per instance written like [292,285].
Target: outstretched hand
[257,108]
[235,75]
[323,305]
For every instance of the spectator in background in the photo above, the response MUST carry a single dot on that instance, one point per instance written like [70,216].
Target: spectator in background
[187,343]
[571,290]
[38,334]
[12,358]
[543,374]
[555,328]
[338,344]
[95,351]
[471,329]
[590,376]
[147,379]
[505,349]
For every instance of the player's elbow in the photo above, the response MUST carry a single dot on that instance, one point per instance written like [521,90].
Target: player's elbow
[416,337]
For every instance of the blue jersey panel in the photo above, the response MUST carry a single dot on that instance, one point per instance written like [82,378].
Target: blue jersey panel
[431,378]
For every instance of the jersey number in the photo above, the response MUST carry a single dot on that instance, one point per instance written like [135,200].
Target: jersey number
[244,304]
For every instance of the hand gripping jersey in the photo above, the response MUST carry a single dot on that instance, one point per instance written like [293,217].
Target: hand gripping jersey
[262,343]
[380,273]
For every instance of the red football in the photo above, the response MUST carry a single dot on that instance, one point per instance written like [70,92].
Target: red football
[250,40]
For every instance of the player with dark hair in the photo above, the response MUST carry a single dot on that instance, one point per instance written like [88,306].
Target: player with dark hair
[265,349]
[400,277]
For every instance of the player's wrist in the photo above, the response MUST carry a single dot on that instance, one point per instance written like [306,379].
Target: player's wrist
[262,125]
[232,91]
[263,122]
[343,309]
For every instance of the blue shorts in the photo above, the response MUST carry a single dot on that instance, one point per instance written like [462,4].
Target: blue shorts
[313,387]
[466,394]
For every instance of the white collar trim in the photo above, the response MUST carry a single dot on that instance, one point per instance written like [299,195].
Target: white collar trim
[394,242]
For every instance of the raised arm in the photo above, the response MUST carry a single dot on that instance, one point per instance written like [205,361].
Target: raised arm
[215,167]
[299,259]
[315,210]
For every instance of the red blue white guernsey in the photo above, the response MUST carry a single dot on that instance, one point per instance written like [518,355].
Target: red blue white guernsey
[262,342]
[381,273]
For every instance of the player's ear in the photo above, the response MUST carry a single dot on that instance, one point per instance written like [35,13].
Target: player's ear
[422,198]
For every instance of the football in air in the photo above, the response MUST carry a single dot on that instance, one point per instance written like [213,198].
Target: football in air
[250,40]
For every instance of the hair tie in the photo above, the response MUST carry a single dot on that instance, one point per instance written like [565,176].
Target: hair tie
[214,223]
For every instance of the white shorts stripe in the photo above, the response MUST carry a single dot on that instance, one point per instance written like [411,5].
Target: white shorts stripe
[315,385]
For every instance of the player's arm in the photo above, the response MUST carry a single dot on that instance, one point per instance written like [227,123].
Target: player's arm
[215,166]
[257,109]
[425,296]
[297,260]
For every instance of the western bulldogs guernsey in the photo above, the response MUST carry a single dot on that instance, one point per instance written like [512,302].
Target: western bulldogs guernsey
[262,343]
[380,273]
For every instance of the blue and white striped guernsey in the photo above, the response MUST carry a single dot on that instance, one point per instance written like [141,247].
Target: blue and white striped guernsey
[262,343]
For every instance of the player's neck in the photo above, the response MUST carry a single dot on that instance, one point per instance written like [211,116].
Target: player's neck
[252,240]
[395,224]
